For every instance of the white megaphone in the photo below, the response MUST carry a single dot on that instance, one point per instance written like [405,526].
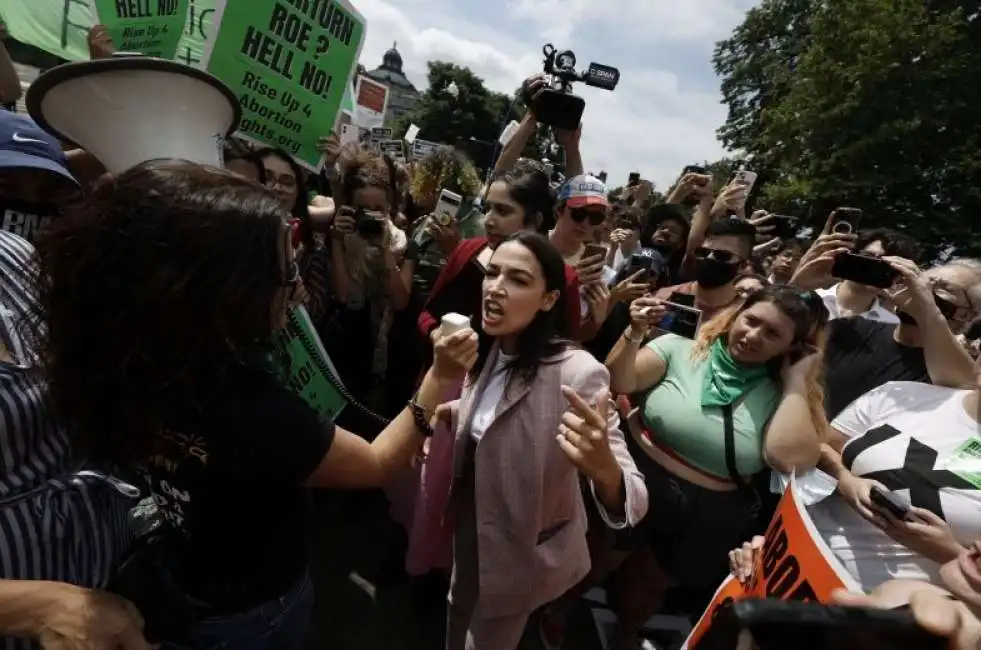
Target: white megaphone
[129,109]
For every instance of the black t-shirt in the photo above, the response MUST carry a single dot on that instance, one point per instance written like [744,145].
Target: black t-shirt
[25,219]
[863,355]
[228,477]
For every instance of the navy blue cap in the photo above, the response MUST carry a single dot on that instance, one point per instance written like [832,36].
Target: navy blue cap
[25,145]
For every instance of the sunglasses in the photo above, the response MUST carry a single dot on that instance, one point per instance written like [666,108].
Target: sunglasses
[595,217]
[726,257]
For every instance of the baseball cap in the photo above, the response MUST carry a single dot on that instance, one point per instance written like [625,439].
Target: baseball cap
[581,191]
[669,211]
[25,145]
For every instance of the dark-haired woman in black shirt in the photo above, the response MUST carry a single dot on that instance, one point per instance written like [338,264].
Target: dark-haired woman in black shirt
[159,293]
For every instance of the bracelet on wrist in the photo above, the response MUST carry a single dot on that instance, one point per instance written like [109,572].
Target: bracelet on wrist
[630,337]
[419,418]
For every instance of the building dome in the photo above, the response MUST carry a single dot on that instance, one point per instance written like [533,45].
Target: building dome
[403,96]
[392,60]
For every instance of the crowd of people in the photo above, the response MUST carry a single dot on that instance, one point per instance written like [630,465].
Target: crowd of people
[631,378]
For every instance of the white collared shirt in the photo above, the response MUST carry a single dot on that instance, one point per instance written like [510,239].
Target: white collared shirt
[876,312]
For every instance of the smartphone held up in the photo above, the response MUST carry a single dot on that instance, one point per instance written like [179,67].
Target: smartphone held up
[845,221]
[649,264]
[447,207]
[865,269]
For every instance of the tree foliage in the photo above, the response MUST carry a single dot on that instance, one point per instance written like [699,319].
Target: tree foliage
[472,120]
[870,103]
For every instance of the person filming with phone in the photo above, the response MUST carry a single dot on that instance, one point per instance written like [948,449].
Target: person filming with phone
[744,396]
[843,283]
[580,213]
[906,457]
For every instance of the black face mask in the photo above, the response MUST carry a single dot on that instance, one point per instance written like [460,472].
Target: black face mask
[711,273]
[25,218]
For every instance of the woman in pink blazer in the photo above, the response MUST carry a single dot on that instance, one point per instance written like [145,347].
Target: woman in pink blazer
[534,416]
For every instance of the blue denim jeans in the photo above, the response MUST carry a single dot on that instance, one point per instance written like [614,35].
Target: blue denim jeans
[279,624]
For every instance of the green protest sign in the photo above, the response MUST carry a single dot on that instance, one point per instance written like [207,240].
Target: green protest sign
[307,368]
[151,27]
[197,28]
[288,62]
[61,27]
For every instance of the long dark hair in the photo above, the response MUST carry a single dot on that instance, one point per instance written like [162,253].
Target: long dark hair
[151,290]
[548,333]
[301,208]
[529,187]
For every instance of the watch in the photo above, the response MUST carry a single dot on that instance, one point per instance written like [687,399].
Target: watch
[420,419]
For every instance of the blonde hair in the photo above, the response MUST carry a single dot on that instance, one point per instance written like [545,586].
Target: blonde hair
[817,337]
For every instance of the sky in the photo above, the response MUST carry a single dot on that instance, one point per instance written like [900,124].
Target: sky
[666,108]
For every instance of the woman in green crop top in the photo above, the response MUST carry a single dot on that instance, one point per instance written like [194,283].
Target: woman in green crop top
[757,364]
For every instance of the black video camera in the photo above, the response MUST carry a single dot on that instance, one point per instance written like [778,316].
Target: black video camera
[556,105]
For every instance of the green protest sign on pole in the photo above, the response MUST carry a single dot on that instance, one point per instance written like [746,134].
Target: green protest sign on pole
[289,64]
[151,27]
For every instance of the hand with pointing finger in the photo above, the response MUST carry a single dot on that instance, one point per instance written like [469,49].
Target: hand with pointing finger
[583,437]
[630,288]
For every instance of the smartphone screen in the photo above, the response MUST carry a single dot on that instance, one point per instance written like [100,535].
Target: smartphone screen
[681,320]
[864,269]
[684,299]
[447,207]
[633,179]
[769,624]
[694,169]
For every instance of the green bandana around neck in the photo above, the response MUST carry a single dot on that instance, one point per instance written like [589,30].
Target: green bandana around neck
[726,380]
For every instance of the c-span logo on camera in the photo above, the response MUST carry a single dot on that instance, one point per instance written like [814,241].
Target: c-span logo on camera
[603,76]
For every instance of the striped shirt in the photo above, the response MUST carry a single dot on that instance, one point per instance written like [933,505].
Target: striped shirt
[59,520]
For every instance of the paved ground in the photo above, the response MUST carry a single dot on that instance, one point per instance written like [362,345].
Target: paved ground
[352,537]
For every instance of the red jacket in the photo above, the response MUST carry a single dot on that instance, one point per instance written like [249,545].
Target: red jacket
[463,254]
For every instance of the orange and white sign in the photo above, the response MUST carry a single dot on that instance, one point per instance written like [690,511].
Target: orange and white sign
[370,102]
[794,564]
